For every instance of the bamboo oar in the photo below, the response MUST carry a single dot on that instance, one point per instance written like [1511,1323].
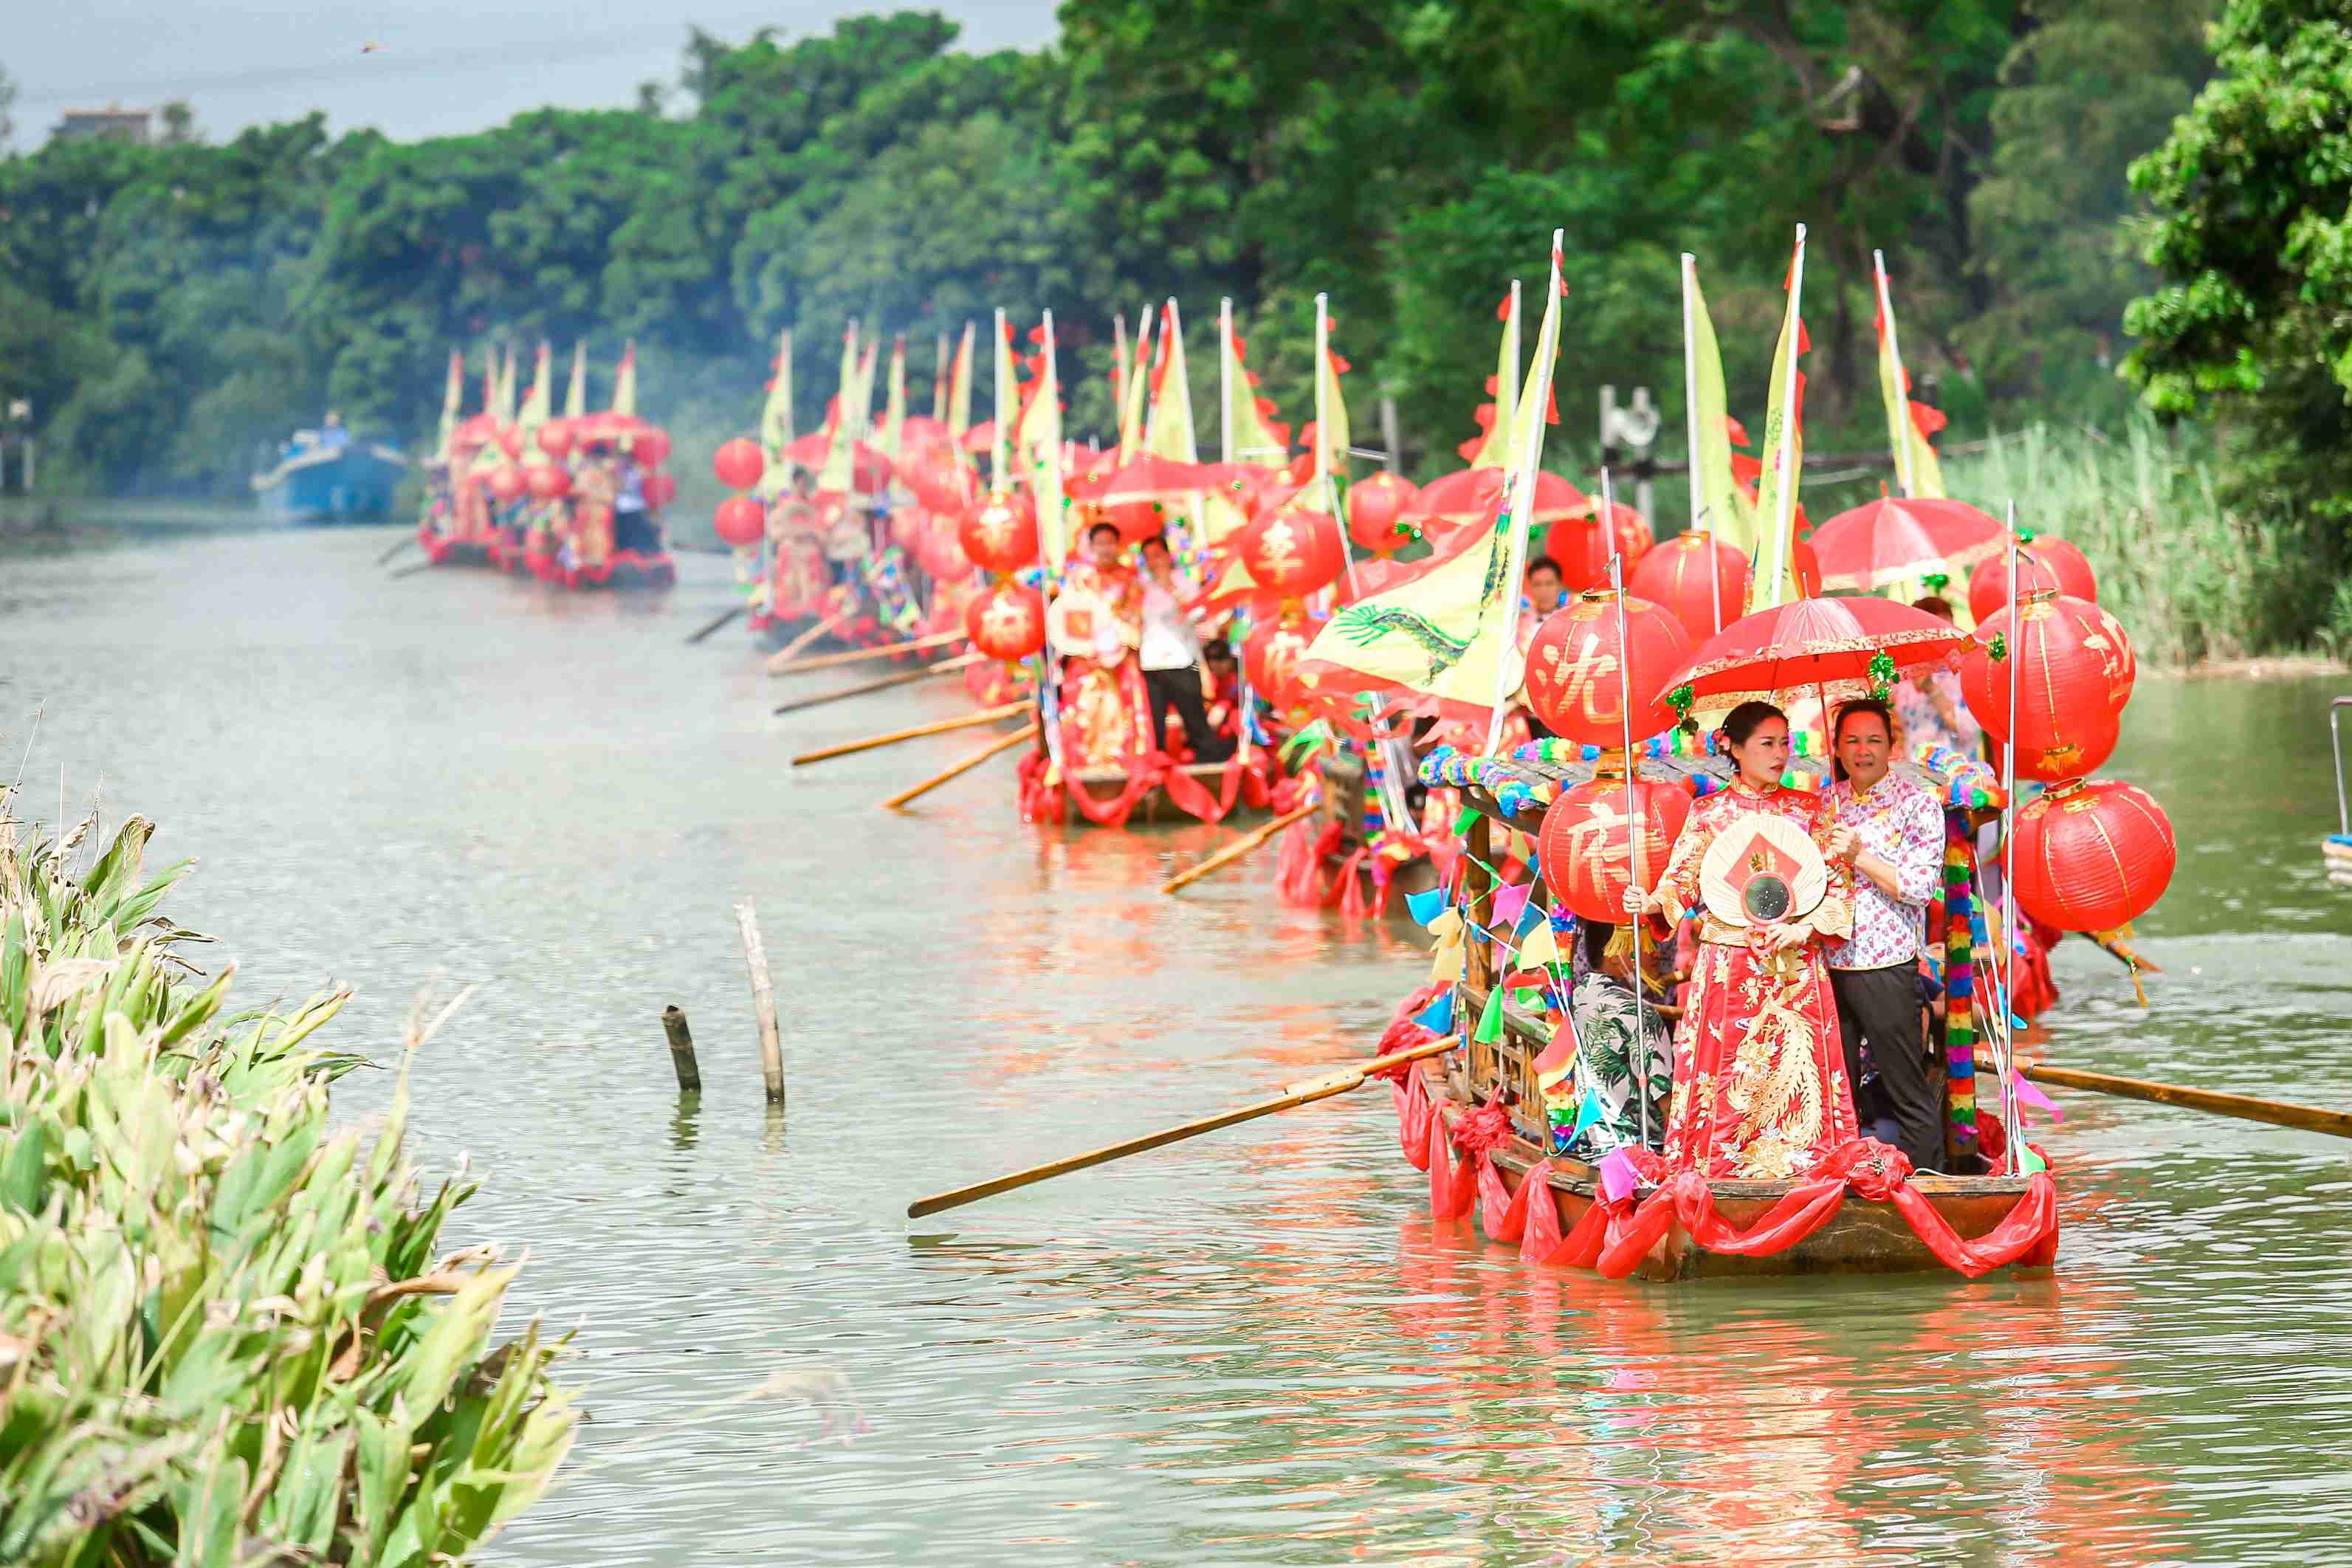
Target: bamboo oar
[1001,743]
[714,626]
[413,570]
[1238,848]
[2124,954]
[2279,1113]
[784,654]
[405,541]
[783,663]
[891,738]
[1292,1096]
[947,667]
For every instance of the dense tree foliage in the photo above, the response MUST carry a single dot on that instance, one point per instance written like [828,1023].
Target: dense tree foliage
[172,308]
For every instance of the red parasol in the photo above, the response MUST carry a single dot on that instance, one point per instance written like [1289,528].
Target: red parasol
[1828,644]
[979,437]
[1153,477]
[870,469]
[1471,497]
[1888,541]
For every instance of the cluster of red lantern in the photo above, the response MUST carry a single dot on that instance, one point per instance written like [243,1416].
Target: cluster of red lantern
[741,519]
[2090,854]
[1007,621]
[1292,553]
[1376,513]
[1270,655]
[1676,575]
[1577,666]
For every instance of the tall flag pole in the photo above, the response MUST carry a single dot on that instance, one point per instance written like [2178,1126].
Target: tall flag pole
[776,420]
[893,409]
[1008,405]
[1119,361]
[1726,513]
[453,397]
[1044,448]
[1518,501]
[1330,414]
[1172,435]
[1692,413]
[625,381]
[939,383]
[538,406]
[959,416]
[1133,402]
[838,474]
[575,395]
[1774,580]
[1224,381]
[1494,452]
[1917,470]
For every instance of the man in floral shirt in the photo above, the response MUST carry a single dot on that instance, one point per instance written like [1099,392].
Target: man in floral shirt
[1891,829]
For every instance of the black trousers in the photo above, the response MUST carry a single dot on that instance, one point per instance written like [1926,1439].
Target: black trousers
[1882,1006]
[1180,690]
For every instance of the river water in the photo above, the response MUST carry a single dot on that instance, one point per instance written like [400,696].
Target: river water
[1251,1348]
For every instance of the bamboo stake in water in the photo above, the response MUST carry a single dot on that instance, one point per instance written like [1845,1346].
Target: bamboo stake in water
[947,667]
[405,542]
[955,770]
[764,1003]
[891,738]
[783,664]
[1239,847]
[681,1051]
[714,626]
[1293,1095]
[783,655]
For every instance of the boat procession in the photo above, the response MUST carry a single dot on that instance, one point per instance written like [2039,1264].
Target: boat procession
[1738,856]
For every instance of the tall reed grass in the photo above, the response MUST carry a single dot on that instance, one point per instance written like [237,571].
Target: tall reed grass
[227,1335]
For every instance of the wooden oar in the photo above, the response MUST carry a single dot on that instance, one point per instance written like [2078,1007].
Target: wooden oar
[947,667]
[1001,743]
[405,541]
[413,570]
[1238,848]
[2278,1112]
[783,663]
[714,626]
[1292,1096]
[784,654]
[892,737]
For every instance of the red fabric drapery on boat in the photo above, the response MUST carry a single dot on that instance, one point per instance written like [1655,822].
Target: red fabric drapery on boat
[1239,783]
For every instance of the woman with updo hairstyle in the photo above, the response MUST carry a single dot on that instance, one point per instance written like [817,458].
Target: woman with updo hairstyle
[1759,1091]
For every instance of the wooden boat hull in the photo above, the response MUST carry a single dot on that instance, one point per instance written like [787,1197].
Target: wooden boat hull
[1107,784]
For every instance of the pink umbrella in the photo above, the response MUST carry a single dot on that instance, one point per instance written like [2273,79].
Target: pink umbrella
[1889,541]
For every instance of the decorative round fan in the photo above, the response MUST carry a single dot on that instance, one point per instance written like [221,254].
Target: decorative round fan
[1763,871]
[1073,620]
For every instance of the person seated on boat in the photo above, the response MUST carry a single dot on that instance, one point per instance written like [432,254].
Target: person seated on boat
[1929,710]
[1174,673]
[1890,831]
[1095,622]
[1760,1089]
[332,436]
[1224,689]
[1593,1102]
[633,520]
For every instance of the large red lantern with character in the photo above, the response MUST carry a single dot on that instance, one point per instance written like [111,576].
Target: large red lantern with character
[1294,553]
[1270,656]
[649,447]
[1376,509]
[2045,564]
[1001,533]
[740,521]
[1582,845]
[739,463]
[1694,577]
[2073,674]
[547,482]
[1007,621]
[1576,659]
[2091,854]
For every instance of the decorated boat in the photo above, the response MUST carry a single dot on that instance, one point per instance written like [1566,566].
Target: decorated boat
[328,475]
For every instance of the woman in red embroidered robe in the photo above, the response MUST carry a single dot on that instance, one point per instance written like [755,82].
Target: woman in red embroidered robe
[1106,715]
[1760,1070]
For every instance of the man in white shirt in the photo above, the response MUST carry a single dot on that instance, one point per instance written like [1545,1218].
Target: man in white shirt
[1170,659]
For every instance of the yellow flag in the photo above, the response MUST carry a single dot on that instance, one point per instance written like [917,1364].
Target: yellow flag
[1172,405]
[1495,451]
[1917,471]
[1041,455]
[776,414]
[1331,439]
[1250,435]
[538,408]
[453,397]
[836,476]
[959,394]
[625,382]
[1774,581]
[1718,504]
[894,411]
[1138,384]
[1008,407]
[575,395]
[940,374]
[508,402]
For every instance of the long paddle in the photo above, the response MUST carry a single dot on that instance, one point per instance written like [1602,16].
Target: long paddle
[783,655]
[783,663]
[946,667]
[1238,848]
[2278,1112]
[405,542]
[1292,1096]
[413,570]
[913,733]
[714,626]
[1001,743]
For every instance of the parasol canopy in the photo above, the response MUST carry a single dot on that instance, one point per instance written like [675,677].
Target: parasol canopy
[1889,541]
[1151,478]
[1471,497]
[871,470]
[1842,647]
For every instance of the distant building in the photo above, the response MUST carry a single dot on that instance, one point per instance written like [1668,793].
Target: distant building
[136,125]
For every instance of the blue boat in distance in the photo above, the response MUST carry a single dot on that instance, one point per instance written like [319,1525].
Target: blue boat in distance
[325,476]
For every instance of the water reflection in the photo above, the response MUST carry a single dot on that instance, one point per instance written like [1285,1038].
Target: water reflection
[1251,1348]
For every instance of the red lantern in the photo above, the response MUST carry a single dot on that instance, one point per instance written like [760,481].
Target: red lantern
[660,490]
[2074,675]
[649,447]
[507,483]
[1582,844]
[1001,533]
[1675,576]
[555,438]
[547,481]
[942,554]
[740,520]
[510,441]
[739,463]
[2045,564]
[2092,855]
[1295,553]
[1270,656]
[1376,509]
[1574,661]
[1008,622]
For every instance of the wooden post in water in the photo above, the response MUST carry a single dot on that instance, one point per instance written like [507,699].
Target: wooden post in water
[681,1051]
[764,1003]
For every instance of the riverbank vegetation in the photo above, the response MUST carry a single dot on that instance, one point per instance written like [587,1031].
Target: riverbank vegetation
[172,309]
[227,1333]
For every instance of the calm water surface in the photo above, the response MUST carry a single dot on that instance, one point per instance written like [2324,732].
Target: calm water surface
[1254,1348]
